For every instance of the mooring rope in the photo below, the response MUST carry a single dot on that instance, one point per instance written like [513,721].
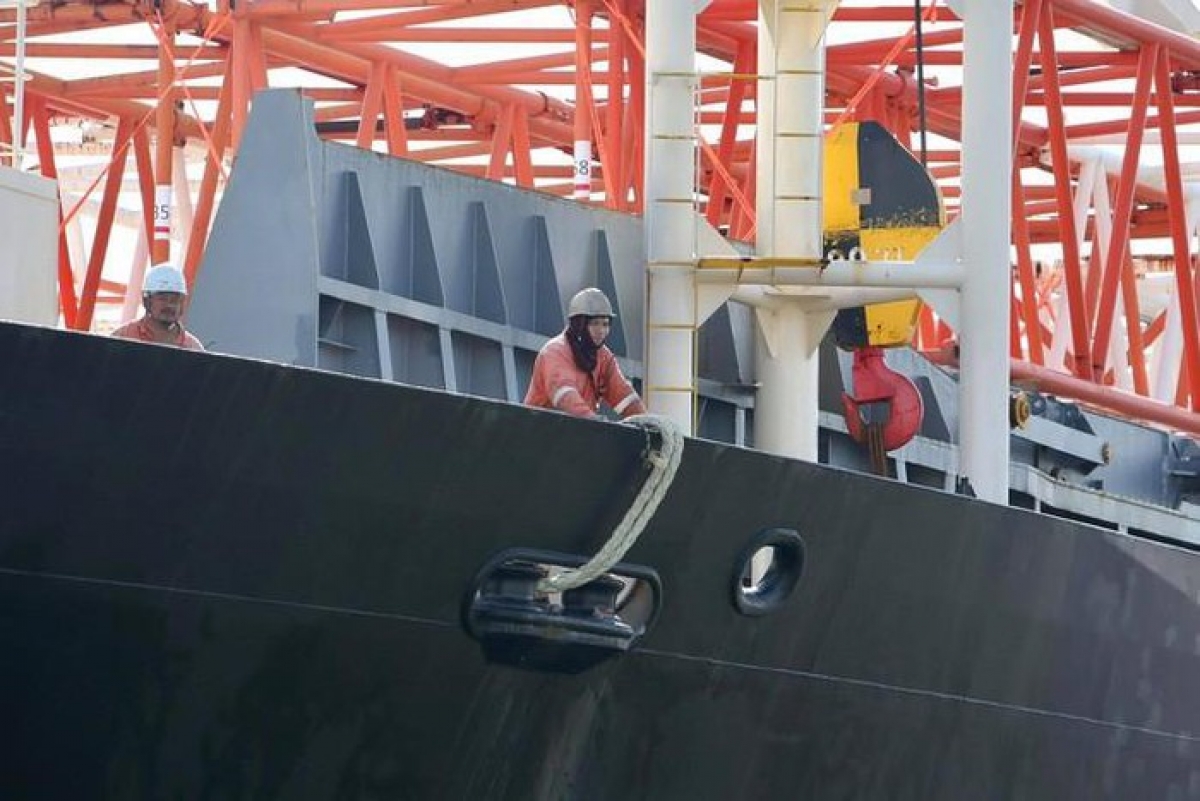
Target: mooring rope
[663,461]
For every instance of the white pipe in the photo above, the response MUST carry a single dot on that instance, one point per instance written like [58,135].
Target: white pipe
[847,273]
[1082,201]
[77,246]
[758,297]
[582,180]
[1113,163]
[789,178]
[1061,326]
[1175,15]
[671,229]
[1118,349]
[786,403]
[132,306]
[1152,137]
[1093,164]
[1168,354]
[1098,196]
[18,159]
[1166,365]
[1104,226]
[183,201]
[983,384]
[1118,343]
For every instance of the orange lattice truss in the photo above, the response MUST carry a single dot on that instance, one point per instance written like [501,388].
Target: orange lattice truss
[504,88]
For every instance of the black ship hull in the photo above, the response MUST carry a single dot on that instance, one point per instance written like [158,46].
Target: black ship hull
[229,579]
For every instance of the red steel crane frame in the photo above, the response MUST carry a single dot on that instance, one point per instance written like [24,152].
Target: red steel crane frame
[1083,72]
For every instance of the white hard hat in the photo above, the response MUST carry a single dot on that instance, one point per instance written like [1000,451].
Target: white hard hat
[164,278]
[590,302]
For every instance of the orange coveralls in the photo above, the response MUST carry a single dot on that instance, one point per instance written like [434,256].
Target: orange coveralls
[140,330]
[558,383]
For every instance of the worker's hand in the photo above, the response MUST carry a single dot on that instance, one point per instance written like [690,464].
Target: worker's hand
[637,407]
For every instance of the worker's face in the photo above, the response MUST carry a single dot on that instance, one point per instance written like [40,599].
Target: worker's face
[165,308]
[598,329]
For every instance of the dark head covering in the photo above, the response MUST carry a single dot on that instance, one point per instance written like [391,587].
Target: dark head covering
[582,347]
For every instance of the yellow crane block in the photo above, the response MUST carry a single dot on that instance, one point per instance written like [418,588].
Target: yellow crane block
[879,202]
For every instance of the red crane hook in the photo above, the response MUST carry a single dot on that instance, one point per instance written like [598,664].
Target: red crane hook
[876,383]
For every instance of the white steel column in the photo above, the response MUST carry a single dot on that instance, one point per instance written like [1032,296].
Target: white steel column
[1167,362]
[584,103]
[132,305]
[791,103]
[183,201]
[986,192]
[18,128]
[1168,355]
[670,218]
[1118,345]
[786,360]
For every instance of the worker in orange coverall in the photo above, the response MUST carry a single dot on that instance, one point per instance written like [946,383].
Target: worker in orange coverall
[575,370]
[164,297]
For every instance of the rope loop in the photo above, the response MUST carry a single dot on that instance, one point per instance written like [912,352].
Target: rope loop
[663,453]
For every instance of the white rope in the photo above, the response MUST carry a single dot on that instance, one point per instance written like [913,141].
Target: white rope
[663,464]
